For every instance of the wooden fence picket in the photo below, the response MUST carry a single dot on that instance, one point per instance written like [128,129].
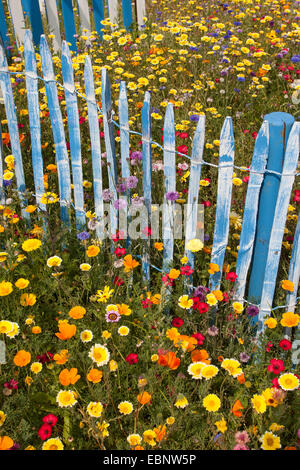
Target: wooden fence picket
[110,148]
[62,158]
[34,117]
[95,145]
[257,168]
[85,22]
[98,10]
[13,128]
[3,28]
[33,11]
[69,23]
[277,232]
[53,23]
[74,133]
[223,201]
[147,183]
[18,20]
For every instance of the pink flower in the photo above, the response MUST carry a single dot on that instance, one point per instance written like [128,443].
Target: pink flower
[240,447]
[241,437]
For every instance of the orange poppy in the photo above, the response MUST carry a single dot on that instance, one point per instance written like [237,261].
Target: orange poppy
[66,331]
[6,443]
[236,409]
[94,376]
[144,398]
[187,343]
[129,263]
[200,355]
[5,138]
[61,357]
[77,312]
[161,432]
[169,360]
[67,377]
[241,378]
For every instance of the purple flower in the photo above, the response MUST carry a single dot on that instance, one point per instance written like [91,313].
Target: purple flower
[252,310]
[106,195]
[194,117]
[112,316]
[119,204]
[244,357]
[200,292]
[83,235]
[295,58]
[136,155]
[122,188]
[131,182]
[213,331]
[172,196]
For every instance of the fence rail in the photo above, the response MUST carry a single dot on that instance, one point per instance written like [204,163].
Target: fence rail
[68,18]
[254,203]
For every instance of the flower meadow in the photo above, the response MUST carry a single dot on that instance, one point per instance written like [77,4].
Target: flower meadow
[94,358]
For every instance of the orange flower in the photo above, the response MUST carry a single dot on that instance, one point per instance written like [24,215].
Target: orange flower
[129,263]
[67,377]
[200,355]
[92,251]
[5,138]
[144,398]
[6,443]
[169,360]
[95,376]
[61,357]
[66,331]
[241,378]
[22,358]
[236,409]
[174,273]
[161,432]
[77,312]
[187,343]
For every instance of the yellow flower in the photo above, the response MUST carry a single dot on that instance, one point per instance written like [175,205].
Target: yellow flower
[232,366]
[290,319]
[21,283]
[195,368]
[123,330]
[149,436]
[49,198]
[134,439]
[238,307]
[6,326]
[237,181]
[213,268]
[66,398]
[185,302]
[95,409]
[85,267]
[99,354]
[15,331]
[211,402]
[288,381]
[271,322]
[27,300]
[287,285]
[125,407]
[181,401]
[211,299]
[259,403]
[194,245]
[54,261]
[113,365]
[54,443]
[36,367]
[158,246]
[221,425]
[209,371]
[5,288]
[86,336]
[31,244]
[2,417]
[270,441]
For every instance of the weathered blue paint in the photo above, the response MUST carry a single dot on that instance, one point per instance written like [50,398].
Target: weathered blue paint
[125,158]
[62,158]
[278,225]
[223,201]
[69,23]
[74,133]
[98,16]
[147,182]
[191,222]
[257,168]
[279,128]
[3,29]
[13,128]
[95,145]
[34,117]
[170,186]
[32,9]
[127,14]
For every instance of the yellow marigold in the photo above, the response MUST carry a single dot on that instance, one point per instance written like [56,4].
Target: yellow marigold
[77,312]
[271,322]
[290,319]
[174,273]
[259,403]
[31,244]
[185,302]
[54,443]
[211,402]
[92,251]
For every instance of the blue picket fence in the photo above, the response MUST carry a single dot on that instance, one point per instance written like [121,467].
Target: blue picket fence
[266,204]
[70,18]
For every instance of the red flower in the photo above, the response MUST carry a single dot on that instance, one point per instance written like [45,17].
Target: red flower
[275,382]
[120,252]
[146,303]
[231,276]
[297,196]
[118,281]
[132,358]
[276,366]
[269,346]
[166,280]
[182,149]
[45,431]
[50,419]
[285,344]
[199,337]
[177,322]
[186,270]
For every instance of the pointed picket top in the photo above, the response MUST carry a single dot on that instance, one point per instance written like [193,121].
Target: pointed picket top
[257,168]
[223,201]
[62,158]
[194,226]
[74,133]
[170,186]
[279,221]
[13,128]
[95,145]
[147,184]
[34,117]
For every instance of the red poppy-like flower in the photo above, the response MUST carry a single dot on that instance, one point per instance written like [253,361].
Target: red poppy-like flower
[199,337]
[186,270]
[285,344]
[50,419]
[177,322]
[182,149]
[146,303]
[231,276]
[118,281]
[45,431]
[132,358]
[276,366]
[166,280]
[269,346]
[120,252]
[297,196]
